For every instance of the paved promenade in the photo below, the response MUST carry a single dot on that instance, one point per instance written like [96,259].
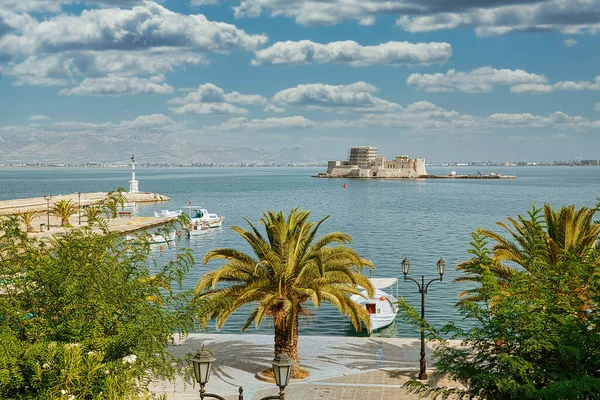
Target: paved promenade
[341,367]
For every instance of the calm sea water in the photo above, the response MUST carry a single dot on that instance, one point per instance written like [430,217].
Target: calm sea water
[388,219]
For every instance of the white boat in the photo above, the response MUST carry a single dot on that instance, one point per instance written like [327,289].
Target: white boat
[382,306]
[202,216]
[155,238]
[198,228]
[129,205]
[167,213]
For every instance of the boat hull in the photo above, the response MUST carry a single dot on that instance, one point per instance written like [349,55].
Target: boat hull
[382,308]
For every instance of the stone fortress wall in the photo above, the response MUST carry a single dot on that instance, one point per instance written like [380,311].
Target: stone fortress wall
[363,162]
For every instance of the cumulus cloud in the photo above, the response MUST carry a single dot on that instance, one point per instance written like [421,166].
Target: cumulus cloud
[350,52]
[570,42]
[209,108]
[273,108]
[356,96]
[558,86]
[488,18]
[60,69]
[114,85]
[147,39]
[153,121]
[211,99]
[39,118]
[147,26]
[284,123]
[478,80]
[566,16]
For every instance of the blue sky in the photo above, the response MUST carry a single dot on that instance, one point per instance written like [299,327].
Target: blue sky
[461,80]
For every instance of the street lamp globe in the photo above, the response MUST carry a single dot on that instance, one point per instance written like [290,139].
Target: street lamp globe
[405,266]
[203,361]
[441,266]
[282,369]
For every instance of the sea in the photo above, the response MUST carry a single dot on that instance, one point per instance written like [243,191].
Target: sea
[423,220]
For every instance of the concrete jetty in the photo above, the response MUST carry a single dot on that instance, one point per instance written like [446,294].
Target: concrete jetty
[39,204]
[348,368]
[124,223]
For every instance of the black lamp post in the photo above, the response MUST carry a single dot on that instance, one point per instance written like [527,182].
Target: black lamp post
[204,359]
[441,267]
[79,205]
[47,197]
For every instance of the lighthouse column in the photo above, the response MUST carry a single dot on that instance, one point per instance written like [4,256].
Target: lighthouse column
[133,184]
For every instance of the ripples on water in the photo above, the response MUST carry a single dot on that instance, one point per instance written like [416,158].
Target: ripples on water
[388,219]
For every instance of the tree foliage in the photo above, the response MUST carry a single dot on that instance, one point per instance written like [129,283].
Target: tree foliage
[535,320]
[290,266]
[64,209]
[87,316]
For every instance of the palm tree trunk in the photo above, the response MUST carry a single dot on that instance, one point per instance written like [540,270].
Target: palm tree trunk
[284,342]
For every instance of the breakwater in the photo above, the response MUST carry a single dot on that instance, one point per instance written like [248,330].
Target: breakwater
[40,204]
[451,176]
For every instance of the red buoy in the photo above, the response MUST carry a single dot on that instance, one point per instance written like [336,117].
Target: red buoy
[345,186]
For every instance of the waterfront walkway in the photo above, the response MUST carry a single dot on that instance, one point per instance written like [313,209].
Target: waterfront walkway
[341,367]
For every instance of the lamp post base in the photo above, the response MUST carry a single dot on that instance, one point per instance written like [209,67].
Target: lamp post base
[423,376]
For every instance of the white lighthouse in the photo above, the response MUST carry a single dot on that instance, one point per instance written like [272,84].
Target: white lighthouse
[133,184]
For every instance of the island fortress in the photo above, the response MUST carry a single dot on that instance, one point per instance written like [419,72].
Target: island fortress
[363,162]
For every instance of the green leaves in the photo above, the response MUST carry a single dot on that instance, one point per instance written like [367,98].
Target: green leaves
[289,266]
[80,308]
[536,326]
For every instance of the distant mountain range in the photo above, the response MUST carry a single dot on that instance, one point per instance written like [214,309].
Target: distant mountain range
[100,145]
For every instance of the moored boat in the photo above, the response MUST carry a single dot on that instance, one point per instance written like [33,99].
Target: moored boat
[201,216]
[382,306]
[198,228]
[167,213]
[155,238]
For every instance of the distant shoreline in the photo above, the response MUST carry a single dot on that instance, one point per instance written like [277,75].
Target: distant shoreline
[252,165]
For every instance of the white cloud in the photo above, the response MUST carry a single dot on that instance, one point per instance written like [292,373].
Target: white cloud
[120,85]
[566,16]
[147,26]
[211,99]
[356,96]
[478,80]
[63,68]
[147,39]
[284,123]
[209,108]
[39,118]
[558,86]
[273,108]
[570,42]
[491,17]
[153,121]
[350,52]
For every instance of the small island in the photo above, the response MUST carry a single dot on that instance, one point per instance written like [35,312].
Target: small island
[364,163]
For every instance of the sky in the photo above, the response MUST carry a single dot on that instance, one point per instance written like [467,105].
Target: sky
[444,80]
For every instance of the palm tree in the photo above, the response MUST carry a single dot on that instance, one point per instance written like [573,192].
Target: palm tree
[27,219]
[289,267]
[92,214]
[64,209]
[112,202]
[534,243]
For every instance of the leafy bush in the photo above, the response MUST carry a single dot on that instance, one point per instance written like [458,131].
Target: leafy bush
[536,328]
[88,316]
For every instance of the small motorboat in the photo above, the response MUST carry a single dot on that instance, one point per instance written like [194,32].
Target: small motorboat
[167,213]
[202,216]
[382,306]
[198,228]
[154,238]
[129,205]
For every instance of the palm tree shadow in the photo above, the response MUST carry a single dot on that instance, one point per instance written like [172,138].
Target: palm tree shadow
[230,354]
[373,354]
